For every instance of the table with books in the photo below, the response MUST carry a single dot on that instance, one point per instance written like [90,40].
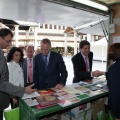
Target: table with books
[46,102]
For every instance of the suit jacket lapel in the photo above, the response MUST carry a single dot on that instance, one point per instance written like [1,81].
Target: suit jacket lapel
[90,60]
[50,61]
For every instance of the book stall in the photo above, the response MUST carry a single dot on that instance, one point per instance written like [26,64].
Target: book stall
[73,101]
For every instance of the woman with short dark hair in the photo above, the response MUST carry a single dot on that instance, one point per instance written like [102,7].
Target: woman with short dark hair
[14,57]
[113,78]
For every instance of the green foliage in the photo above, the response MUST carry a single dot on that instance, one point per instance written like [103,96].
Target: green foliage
[55,49]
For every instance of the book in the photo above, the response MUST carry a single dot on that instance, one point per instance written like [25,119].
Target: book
[93,88]
[70,90]
[41,107]
[33,95]
[31,102]
[48,100]
[82,89]
[105,89]
[60,93]
[68,100]
[46,92]
[83,96]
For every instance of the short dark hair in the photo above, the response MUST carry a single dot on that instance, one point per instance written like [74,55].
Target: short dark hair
[12,51]
[114,52]
[45,41]
[29,46]
[4,32]
[83,43]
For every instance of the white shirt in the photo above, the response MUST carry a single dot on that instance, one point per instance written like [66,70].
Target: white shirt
[15,74]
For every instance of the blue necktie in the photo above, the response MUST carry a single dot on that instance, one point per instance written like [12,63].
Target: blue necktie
[45,60]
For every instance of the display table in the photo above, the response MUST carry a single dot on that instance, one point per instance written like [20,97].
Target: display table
[32,113]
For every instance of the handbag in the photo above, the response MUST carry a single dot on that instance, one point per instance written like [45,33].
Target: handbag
[12,114]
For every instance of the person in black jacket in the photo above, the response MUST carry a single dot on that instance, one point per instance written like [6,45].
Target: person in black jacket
[83,72]
[49,68]
[113,79]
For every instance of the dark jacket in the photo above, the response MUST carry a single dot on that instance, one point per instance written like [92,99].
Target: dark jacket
[7,88]
[113,78]
[56,71]
[79,67]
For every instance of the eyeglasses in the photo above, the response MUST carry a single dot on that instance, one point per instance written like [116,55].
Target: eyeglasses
[8,41]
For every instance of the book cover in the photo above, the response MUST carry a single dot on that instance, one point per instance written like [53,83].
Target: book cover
[46,92]
[82,89]
[41,107]
[47,100]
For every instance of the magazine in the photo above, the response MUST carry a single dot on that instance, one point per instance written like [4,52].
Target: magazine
[46,92]
[48,100]
[33,95]
[31,102]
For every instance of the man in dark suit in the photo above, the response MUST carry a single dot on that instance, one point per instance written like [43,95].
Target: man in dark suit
[6,88]
[82,63]
[49,68]
[27,69]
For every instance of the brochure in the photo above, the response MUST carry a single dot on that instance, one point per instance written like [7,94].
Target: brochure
[33,95]
[31,102]
[67,100]
[71,90]
[82,89]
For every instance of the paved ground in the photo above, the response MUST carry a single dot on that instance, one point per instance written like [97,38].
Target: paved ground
[97,65]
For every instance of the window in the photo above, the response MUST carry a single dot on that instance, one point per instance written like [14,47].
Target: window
[54,26]
[50,26]
[46,26]
[59,27]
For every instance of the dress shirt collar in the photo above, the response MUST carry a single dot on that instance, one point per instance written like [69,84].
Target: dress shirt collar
[29,58]
[16,63]
[48,55]
[83,55]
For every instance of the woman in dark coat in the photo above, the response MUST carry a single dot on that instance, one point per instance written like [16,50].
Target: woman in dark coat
[113,78]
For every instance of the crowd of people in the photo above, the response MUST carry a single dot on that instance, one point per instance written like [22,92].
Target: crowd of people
[19,74]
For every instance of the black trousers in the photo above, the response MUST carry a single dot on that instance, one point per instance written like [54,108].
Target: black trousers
[1,115]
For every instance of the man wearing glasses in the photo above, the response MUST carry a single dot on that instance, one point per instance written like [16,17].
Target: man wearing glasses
[6,88]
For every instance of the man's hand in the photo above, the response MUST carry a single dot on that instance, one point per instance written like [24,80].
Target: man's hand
[97,73]
[89,81]
[14,101]
[59,86]
[29,90]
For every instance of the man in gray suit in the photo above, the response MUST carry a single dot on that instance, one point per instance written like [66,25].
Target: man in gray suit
[7,88]
[27,69]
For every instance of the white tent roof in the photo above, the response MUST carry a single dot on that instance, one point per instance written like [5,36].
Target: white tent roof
[103,41]
[41,11]
[96,29]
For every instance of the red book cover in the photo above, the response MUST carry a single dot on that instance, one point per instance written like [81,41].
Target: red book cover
[41,107]
[46,92]
[47,100]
